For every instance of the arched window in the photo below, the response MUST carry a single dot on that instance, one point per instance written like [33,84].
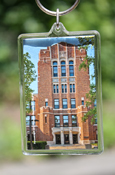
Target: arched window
[55,69]
[71,68]
[63,69]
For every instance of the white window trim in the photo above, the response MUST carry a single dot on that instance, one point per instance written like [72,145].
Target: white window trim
[64,88]
[72,88]
[56,88]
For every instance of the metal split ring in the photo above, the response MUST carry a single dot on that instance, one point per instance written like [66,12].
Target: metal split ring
[52,13]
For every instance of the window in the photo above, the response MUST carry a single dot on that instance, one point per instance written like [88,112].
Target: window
[32,120]
[57,121]
[73,103]
[63,69]
[71,68]
[45,119]
[65,121]
[55,69]
[82,102]
[72,88]
[64,101]
[55,88]
[31,105]
[64,88]
[46,103]
[74,121]
[56,103]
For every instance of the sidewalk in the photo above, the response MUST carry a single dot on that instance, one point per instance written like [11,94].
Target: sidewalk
[103,164]
[75,146]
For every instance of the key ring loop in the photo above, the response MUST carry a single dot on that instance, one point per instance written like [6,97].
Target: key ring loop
[52,13]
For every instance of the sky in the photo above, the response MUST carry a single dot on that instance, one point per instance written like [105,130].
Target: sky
[34,45]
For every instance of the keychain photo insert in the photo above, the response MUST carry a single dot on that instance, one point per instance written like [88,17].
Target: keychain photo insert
[60,93]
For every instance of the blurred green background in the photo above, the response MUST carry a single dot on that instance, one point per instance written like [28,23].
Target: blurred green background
[23,16]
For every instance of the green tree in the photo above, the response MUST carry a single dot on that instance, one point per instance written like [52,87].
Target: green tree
[29,77]
[91,95]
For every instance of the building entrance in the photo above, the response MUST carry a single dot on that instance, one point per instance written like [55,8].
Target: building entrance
[75,138]
[58,141]
[66,138]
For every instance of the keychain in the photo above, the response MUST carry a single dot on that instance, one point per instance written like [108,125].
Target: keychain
[60,90]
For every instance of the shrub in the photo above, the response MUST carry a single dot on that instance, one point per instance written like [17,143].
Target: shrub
[38,145]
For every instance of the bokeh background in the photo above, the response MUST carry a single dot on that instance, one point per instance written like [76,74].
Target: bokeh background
[23,16]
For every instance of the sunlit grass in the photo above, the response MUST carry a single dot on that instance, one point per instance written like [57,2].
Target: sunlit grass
[10,140]
[109,124]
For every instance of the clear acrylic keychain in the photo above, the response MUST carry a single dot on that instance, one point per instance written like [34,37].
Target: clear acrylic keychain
[60,90]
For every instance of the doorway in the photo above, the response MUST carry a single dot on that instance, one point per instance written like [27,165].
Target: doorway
[58,141]
[75,139]
[66,138]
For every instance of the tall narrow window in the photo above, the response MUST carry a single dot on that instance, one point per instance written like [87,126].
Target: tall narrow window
[64,88]
[56,103]
[82,102]
[63,69]
[55,88]
[72,88]
[74,121]
[71,68]
[46,103]
[55,70]
[33,105]
[72,102]
[33,120]
[45,119]
[57,121]
[64,101]
[65,121]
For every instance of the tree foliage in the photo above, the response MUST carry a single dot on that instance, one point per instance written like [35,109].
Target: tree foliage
[29,77]
[22,16]
[91,95]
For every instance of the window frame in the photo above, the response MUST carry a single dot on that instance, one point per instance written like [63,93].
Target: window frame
[73,99]
[64,104]
[33,123]
[65,124]
[56,90]
[63,74]
[64,89]
[58,123]
[46,103]
[82,102]
[74,124]
[72,89]
[55,66]
[71,64]
[56,105]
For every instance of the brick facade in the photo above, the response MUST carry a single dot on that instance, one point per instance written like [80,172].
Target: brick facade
[46,130]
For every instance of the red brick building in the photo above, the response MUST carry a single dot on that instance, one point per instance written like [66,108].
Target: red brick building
[60,103]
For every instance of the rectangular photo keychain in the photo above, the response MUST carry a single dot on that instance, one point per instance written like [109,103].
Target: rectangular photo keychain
[60,91]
